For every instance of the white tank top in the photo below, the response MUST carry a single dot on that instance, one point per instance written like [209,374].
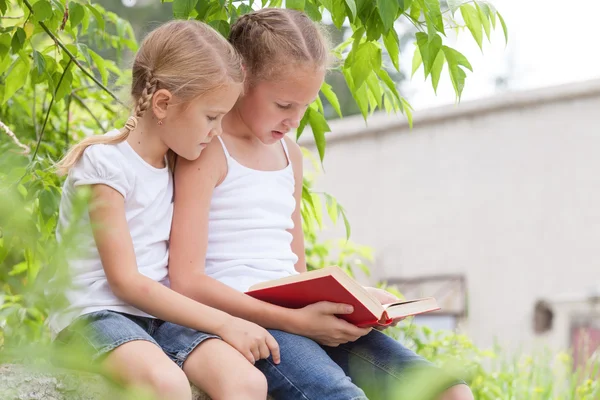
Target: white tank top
[250,214]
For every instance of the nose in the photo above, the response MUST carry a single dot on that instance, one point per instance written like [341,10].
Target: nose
[216,131]
[294,121]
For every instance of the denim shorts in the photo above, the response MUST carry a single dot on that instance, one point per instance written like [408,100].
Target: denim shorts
[104,331]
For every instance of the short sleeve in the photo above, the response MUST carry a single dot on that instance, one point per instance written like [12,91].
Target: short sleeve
[101,164]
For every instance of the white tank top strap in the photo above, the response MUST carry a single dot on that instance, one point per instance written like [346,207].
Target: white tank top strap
[285,149]
[227,155]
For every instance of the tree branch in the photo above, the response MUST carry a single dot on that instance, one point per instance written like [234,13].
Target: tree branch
[73,59]
[15,139]
[50,109]
[86,108]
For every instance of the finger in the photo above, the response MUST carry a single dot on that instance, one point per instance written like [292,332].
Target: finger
[256,353]
[353,330]
[274,349]
[264,350]
[327,307]
[250,357]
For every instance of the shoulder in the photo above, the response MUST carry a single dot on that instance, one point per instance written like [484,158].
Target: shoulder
[211,165]
[103,164]
[294,150]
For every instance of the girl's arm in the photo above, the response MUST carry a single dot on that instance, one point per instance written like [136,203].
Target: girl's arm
[296,231]
[194,185]
[111,233]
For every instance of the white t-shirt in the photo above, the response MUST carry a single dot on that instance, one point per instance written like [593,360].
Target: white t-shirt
[148,194]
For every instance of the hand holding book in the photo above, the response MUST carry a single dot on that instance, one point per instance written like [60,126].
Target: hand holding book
[332,284]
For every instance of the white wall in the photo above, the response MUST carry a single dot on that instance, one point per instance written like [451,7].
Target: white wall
[504,190]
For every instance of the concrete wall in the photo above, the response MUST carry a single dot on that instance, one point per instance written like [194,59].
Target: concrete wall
[505,191]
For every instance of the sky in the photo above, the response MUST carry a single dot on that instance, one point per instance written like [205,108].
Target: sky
[550,43]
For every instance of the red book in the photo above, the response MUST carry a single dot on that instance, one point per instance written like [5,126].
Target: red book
[334,285]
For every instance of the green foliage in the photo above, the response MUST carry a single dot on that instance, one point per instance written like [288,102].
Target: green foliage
[58,59]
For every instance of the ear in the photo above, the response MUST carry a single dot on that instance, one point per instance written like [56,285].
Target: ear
[160,103]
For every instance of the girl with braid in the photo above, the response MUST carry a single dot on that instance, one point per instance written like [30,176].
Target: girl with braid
[186,77]
[237,223]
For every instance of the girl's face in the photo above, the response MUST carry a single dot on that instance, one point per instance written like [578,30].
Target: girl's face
[271,108]
[190,126]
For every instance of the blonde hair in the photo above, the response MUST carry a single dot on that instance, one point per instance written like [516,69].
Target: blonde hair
[187,58]
[272,38]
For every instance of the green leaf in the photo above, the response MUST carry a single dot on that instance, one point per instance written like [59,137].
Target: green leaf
[18,40]
[338,12]
[346,222]
[407,110]
[332,98]
[312,11]
[39,62]
[65,85]
[503,27]
[183,8]
[332,207]
[16,78]
[3,6]
[366,58]
[359,94]
[295,4]
[416,61]
[18,268]
[434,17]
[404,5]
[101,65]
[471,17]
[42,10]
[392,45]
[97,16]
[429,49]
[222,26]
[455,61]
[484,18]
[385,77]
[76,13]
[374,26]
[415,10]
[436,70]
[375,88]
[388,10]
[351,4]
[319,127]
[202,7]
[454,5]
[5,45]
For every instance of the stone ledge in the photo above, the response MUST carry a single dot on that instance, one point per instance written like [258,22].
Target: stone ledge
[18,382]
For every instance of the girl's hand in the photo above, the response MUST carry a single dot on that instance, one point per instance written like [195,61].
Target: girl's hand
[319,322]
[253,341]
[384,297]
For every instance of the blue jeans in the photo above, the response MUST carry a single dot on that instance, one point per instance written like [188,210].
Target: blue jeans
[103,331]
[373,367]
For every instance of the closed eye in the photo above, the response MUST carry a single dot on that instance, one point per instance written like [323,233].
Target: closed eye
[211,118]
[284,106]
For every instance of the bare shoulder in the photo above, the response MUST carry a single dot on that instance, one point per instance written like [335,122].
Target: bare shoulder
[294,150]
[211,165]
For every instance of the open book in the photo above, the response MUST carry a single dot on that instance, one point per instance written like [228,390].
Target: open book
[333,284]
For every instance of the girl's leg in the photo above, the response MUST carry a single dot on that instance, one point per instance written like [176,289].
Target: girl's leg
[223,373]
[122,346]
[385,369]
[144,364]
[211,364]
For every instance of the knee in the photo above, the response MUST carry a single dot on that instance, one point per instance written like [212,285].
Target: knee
[169,383]
[252,384]
[458,392]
